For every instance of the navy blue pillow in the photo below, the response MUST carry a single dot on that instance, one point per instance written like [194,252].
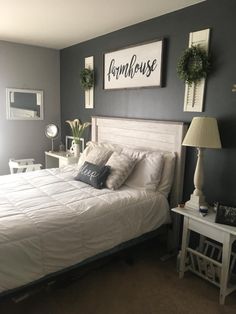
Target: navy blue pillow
[93,174]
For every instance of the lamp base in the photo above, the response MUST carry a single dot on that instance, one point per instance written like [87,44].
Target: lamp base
[195,202]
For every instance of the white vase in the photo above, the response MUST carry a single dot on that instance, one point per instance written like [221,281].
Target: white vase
[76,149]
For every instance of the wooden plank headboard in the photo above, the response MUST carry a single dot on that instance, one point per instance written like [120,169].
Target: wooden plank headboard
[146,134]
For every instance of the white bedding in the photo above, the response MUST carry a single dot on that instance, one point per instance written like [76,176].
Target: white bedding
[48,221]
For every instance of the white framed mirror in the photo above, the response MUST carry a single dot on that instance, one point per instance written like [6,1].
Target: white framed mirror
[24,104]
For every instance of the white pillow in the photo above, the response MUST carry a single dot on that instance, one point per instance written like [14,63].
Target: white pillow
[168,170]
[91,145]
[121,167]
[135,153]
[167,176]
[147,172]
[83,156]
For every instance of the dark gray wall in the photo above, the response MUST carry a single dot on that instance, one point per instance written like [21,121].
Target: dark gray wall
[23,66]
[167,103]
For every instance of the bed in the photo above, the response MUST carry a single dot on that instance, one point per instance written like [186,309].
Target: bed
[50,222]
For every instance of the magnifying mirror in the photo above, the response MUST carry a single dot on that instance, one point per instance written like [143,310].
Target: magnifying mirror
[52,131]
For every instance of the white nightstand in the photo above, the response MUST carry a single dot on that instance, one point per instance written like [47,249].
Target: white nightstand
[211,262]
[59,159]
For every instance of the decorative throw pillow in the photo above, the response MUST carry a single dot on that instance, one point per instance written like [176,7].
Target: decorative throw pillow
[93,175]
[147,172]
[121,167]
[98,156]
[103,146]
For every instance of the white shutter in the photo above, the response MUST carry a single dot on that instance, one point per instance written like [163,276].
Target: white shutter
[89,93]
[194,94]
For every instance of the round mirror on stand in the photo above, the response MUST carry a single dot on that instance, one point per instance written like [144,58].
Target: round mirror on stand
[52,131]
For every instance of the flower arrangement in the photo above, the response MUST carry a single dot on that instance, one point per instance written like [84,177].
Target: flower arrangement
[77,129]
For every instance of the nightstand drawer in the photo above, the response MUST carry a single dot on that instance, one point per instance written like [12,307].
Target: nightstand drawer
[209,232]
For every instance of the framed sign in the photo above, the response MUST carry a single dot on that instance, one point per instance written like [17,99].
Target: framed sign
[134,67]
[226,215]
[69,140]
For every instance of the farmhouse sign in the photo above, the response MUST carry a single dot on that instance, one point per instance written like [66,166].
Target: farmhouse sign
[134,67]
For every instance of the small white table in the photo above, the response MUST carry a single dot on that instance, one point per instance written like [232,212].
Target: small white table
[207,227]
[59,159]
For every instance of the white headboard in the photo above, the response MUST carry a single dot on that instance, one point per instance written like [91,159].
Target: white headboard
[146,134]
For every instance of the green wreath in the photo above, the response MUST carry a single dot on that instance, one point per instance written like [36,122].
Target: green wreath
[193,65]
[86,78]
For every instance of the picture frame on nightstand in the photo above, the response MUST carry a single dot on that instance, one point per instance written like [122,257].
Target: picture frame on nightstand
[226,215]
[69,140]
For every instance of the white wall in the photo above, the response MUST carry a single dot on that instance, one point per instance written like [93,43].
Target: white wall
[23,66]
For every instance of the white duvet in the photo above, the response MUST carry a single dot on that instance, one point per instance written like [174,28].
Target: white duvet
[49,221]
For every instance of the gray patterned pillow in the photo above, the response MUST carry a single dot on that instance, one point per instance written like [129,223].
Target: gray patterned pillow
[121,167]
[99,155]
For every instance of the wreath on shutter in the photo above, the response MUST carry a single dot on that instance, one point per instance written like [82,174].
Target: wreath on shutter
[193,65]
[87,78]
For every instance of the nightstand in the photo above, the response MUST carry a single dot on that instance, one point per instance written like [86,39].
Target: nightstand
[211,261]
[59,159]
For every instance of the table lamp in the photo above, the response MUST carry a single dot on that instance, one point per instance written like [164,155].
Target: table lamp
[202,133]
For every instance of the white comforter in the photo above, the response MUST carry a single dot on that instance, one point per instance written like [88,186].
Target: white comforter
[49,221]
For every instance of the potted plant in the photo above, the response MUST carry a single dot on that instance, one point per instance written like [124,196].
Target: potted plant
[77,129]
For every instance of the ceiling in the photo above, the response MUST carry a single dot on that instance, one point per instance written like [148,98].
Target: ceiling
[62,23]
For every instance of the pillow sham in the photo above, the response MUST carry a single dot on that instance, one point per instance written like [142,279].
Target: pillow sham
[135,153]
[147,172]
[168,169]
[93,175]
[121,167]
[168,172]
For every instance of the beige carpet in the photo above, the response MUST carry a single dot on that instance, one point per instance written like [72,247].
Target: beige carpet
[148,286]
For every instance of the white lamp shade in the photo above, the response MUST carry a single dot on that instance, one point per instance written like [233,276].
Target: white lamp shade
[203,132]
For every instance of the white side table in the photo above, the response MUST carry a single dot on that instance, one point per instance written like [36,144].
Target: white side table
[59,159]
[207,227]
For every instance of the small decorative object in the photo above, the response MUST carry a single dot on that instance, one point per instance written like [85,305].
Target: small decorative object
[226,215]
[77,129]
[234,88]
[52,131]
[215,206]
[193,65]
[87,78]
[134,67]
[75,149]
[202,133]
[61,147]
[203,210]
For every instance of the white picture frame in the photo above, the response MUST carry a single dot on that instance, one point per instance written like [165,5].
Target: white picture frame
[69,140]
[24,110]
[137,66]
